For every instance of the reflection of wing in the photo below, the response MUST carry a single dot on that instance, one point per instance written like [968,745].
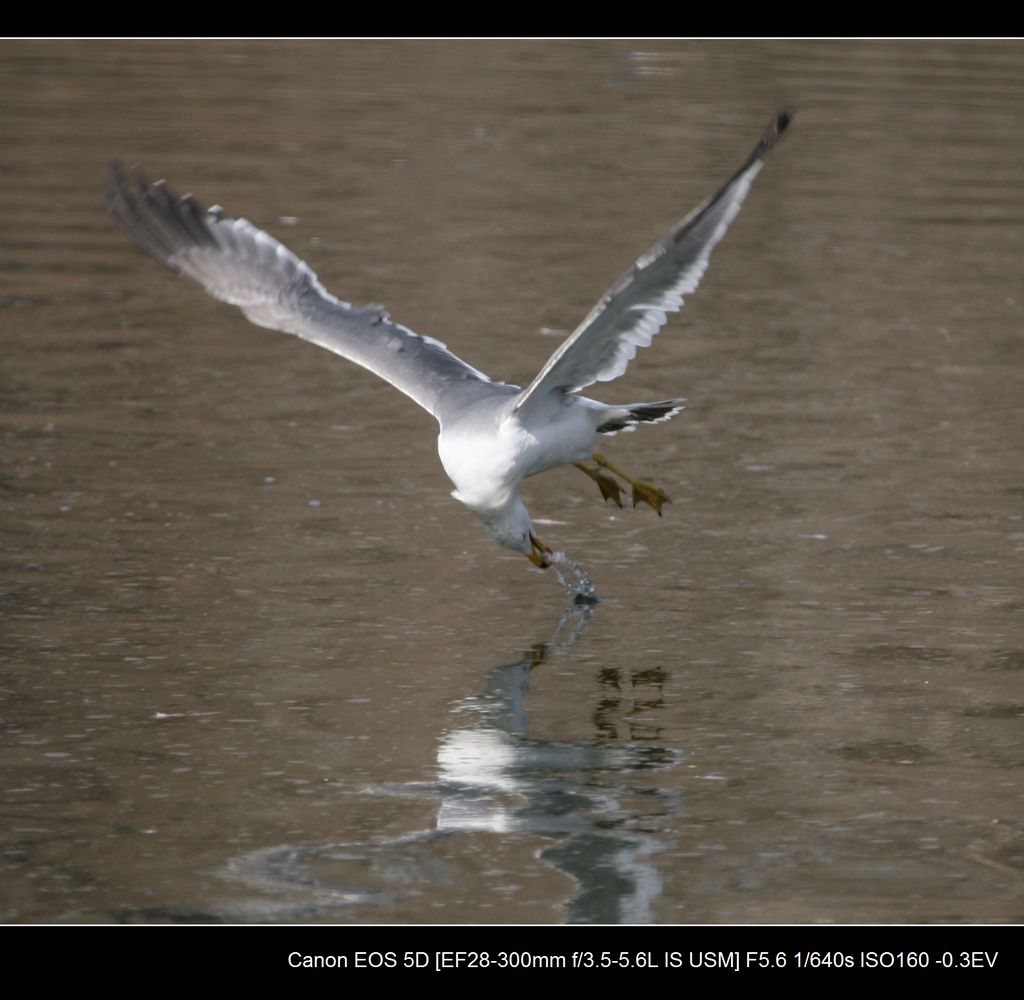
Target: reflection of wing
[240,264]
[633,311]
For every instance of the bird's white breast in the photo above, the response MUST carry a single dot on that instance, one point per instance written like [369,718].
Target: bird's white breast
[487,461]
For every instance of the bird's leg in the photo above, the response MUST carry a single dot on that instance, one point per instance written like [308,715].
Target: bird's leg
[649,494]
[610,489]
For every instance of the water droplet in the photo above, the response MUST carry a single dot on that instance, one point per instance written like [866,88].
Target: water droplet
[574,579]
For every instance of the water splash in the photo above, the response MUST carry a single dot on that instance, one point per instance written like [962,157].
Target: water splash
[574,579]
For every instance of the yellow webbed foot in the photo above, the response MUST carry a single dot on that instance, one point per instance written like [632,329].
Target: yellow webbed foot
[610,490]
[647,493]
[651,495]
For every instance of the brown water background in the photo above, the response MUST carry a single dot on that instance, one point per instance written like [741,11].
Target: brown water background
[256,664]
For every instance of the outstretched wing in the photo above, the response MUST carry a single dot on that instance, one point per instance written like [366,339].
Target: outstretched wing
[634,310]
[244,266]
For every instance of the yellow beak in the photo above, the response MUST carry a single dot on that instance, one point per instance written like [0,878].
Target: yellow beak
[540,554]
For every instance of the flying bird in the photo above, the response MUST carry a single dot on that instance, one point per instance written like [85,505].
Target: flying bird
[492,435]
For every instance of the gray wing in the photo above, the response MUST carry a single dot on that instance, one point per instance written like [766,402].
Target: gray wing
[244,266]
[634,310]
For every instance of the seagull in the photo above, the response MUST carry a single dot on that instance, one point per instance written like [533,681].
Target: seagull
[492,435]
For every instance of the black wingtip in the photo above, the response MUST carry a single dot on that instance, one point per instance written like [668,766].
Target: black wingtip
[154,216]
[767,142]
[775,131]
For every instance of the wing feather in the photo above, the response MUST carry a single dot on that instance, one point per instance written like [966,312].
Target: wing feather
[242,265]
[632,312]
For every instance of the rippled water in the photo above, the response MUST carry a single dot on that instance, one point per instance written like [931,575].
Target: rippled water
[258,665]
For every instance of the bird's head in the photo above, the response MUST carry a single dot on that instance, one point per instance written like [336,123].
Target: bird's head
[511,527]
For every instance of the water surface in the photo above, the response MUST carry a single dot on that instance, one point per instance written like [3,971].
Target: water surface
[257,664]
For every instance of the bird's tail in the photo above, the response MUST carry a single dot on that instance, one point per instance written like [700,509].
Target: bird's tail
[625,418]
